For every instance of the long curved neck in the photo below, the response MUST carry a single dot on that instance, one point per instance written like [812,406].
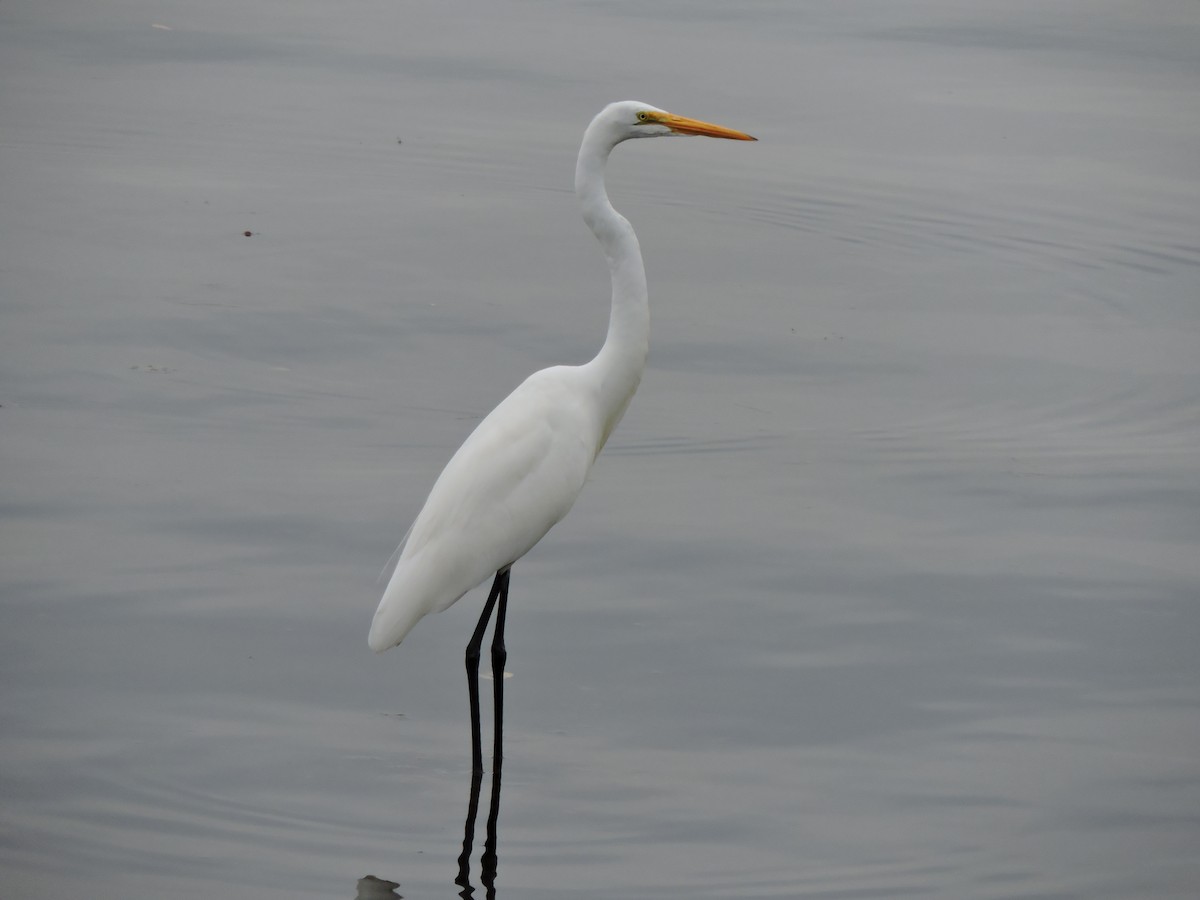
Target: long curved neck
[619,364]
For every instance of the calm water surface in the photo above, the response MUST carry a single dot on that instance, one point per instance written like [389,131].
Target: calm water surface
[886,587]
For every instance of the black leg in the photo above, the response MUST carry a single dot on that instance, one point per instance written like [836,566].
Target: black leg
[472,659]
[499,657]
[488,862]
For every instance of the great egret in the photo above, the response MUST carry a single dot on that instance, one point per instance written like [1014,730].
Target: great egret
[520,470]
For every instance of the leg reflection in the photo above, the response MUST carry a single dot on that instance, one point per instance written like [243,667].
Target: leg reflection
[489,860]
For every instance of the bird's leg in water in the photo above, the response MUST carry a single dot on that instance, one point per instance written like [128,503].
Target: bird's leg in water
[488,862]
[473,668]
[499,657]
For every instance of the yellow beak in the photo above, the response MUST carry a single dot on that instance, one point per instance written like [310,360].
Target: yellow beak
[684,125]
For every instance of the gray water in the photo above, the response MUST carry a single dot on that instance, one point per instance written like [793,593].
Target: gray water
[886,586]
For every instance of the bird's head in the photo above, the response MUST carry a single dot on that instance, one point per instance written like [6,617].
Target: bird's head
[634,119]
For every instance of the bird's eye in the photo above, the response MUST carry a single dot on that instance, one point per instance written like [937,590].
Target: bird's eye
[643,116]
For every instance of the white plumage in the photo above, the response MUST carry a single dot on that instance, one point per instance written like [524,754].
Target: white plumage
[521,469]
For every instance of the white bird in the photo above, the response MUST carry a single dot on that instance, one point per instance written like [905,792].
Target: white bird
[520,470]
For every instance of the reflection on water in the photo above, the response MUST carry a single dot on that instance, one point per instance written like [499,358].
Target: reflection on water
[489,862]
[372,887]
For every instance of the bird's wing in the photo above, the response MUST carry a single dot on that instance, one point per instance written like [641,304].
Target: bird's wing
[517,475]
